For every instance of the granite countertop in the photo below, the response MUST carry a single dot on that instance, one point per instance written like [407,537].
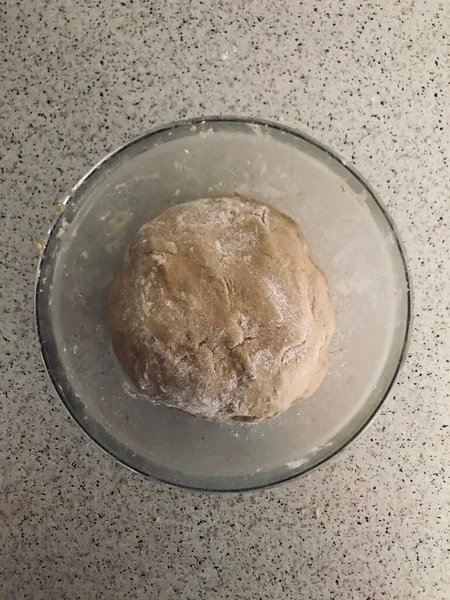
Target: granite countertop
[79,79]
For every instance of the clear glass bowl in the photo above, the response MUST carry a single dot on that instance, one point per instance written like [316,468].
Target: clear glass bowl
[352,237]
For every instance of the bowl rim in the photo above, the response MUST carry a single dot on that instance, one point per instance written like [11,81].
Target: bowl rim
[69,198]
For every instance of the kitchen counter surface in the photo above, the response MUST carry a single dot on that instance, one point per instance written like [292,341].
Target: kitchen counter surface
[80,78]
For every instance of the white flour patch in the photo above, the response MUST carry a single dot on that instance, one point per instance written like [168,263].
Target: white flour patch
[297,463]
[280,300]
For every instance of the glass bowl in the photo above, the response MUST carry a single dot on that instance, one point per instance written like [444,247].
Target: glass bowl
[351,235]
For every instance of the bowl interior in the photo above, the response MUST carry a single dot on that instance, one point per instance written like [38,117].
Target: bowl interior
[351,237]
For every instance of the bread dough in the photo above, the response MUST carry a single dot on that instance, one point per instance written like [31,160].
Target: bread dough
[220,310]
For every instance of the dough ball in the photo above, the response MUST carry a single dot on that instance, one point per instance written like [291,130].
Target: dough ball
[221,311]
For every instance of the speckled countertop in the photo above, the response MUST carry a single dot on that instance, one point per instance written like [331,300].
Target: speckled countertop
[78,79]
